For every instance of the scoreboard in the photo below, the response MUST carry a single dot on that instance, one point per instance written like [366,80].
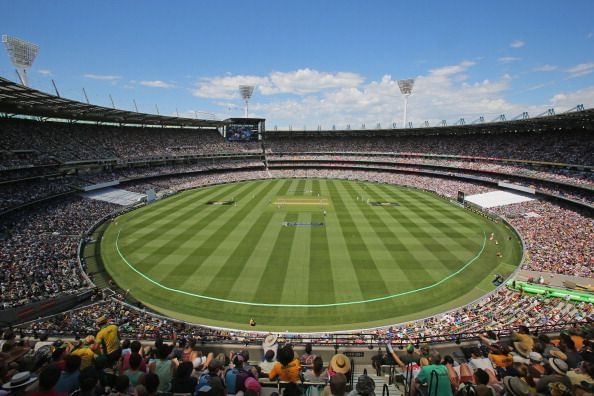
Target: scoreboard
[243,129]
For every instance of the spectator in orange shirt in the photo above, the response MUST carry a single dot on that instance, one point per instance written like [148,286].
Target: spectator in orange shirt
[287,367]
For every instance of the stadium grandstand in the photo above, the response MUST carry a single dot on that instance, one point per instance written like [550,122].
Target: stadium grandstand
[202,253]
[49,223]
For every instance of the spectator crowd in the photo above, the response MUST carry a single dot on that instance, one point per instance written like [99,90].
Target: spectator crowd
[106,359]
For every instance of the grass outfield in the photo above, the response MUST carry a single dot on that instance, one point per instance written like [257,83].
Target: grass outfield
[305,255]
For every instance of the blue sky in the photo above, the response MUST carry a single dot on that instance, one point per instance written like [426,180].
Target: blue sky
[313,62]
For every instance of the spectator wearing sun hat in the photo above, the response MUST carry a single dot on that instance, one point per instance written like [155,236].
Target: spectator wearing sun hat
[555,371]
[535,367]
[19,382]
[108,338]
[270,342]
[523,337]
[514,386]
[339,364]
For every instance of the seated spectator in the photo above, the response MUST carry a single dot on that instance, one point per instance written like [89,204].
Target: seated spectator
[568,347]
[85,352]
[61,350]
[121,387]
[19,382]
[268,362]
[478,361]
[135,348]
[211,382]
[236,375]
[337,386]
[163,367]
[583,373]
[151,384]
[287,367]
[183,382]
[270,342]
[365,387]
[514,386]
[339,364]
[88,381]
[68,381]
[481,378]
[318,373]
[555,371]
[500,356]
[134,371]
[48,378]
[424,378]
[308,357]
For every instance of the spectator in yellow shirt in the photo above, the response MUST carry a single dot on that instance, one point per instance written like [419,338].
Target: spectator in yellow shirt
[108,339]
[85,352]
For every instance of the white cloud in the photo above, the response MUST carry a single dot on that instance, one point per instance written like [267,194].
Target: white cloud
[226,87]
[305,81]
[45,72]
[439,94]
[570,99]
[102,77]
[156,84]
[453,69]
[580,70]
[508,59]
[545,68]
[447,92]
[517,44]
[298,82]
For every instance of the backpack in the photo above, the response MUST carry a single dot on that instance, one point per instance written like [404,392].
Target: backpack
[203,380]
[234,380]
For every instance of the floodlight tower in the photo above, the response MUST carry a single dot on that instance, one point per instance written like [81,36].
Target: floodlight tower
[246,92]
[22,54]
[406,87]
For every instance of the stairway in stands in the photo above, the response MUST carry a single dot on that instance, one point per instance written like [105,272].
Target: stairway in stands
[379,381]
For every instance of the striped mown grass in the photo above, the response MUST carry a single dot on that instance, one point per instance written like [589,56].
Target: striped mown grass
[304,266]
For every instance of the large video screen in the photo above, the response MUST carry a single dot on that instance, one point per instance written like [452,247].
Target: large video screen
[243,133]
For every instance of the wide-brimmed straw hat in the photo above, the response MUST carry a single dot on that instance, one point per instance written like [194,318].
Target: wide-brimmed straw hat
[522,349]
[558,365]
[19,380]
[340,364]
[269,341]
[516,387]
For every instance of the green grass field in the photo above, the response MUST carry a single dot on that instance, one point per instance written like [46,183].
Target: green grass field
[305,255]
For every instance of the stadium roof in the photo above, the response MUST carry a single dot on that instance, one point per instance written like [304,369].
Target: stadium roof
[21,100]
[571,120]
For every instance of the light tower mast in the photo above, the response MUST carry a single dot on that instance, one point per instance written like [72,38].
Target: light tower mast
[246,92]
[406,87]
[22,54]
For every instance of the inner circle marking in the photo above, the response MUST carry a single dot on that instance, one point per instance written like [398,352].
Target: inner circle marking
[300,305]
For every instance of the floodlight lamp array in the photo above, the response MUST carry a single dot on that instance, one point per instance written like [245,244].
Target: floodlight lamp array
[406,86]
[246,91]
[22,53]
